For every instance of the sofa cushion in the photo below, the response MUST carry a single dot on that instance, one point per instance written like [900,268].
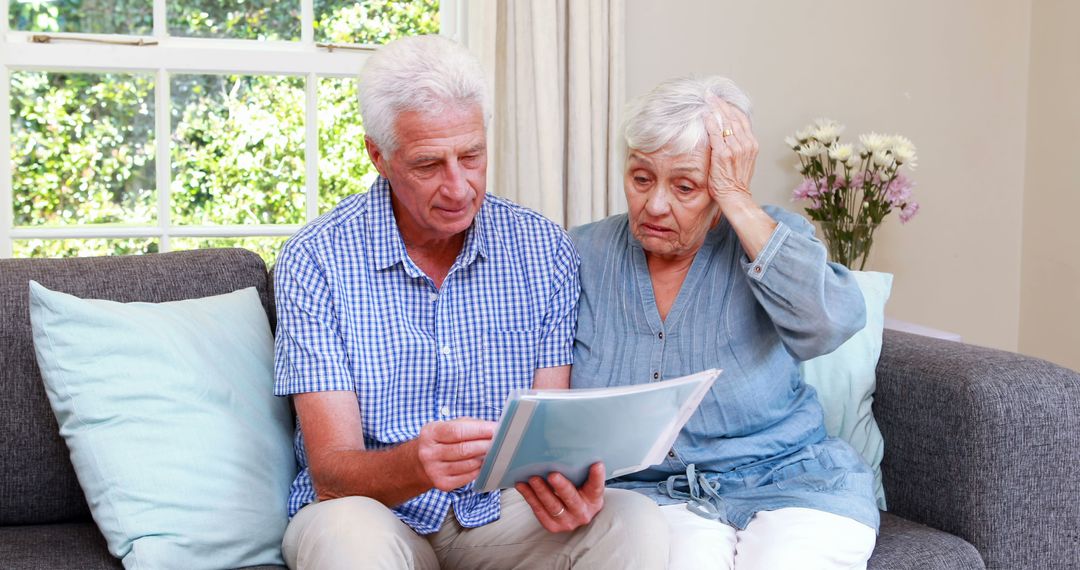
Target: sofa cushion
[41,547]
[166,408]
[37,481]
[905,545]
[61,547]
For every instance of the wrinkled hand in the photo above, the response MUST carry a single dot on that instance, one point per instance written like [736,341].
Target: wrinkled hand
[731,158]
[452,452]
[561,507]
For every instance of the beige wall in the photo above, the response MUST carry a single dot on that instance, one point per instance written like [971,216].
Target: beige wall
[952,76]
[1050,296]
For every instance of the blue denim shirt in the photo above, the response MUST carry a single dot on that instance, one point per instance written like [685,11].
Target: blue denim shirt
[757,441]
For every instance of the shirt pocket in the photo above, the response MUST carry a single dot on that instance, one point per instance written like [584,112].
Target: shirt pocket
[508,363]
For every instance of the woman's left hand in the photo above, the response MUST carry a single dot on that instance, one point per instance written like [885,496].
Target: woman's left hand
[732,157]
[731,166]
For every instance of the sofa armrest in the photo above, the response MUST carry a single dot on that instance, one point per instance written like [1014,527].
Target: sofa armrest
[984,444]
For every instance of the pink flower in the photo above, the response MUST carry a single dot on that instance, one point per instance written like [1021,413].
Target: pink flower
[812,190]
[908,211]
[899,191]
[807,190]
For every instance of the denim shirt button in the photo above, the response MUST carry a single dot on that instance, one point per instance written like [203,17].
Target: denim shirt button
[660,336]
[671,453]
[655,375]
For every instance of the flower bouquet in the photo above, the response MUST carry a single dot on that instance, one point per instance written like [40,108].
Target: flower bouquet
[852,190]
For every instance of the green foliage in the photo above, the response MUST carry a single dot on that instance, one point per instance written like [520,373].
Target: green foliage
[83,145]
[134,17]
[266,246]
[344,166]
[83,247]
[374,21]
[238,150]
[82,148]
[239,19]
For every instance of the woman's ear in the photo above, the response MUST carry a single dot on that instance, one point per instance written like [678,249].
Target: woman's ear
[716,217]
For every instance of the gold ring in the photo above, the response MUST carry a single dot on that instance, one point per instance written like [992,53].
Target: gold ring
[728,132]
[559,514]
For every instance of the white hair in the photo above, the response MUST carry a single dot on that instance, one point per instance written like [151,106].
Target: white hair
[673,114]
[429,74]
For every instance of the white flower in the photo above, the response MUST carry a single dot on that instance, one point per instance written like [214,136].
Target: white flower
[883,158]
[826,131]
[790,141]
[873,142]
[811,149]
[854,161]
[903,150]
[804,134]
[841,152]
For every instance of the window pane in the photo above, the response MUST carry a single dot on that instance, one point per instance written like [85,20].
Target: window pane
[267,247]
[374,21]
[133,17]
[237,149]
[82,148]
[344,167]
[235,19]
[83,247]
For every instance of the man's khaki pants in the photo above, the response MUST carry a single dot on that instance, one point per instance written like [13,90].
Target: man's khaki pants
[358,532]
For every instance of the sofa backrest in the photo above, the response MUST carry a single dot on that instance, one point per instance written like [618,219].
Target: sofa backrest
[37,481]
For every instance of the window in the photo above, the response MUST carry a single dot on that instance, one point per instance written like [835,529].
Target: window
[134,126]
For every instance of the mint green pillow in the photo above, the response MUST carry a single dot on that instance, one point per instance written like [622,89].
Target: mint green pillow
[845,378]
[183,452]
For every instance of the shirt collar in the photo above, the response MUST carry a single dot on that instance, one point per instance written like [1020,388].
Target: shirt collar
[476,238]
[386,237]
[388,247]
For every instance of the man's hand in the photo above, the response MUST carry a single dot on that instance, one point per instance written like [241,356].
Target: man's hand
[558,505]
[451,453]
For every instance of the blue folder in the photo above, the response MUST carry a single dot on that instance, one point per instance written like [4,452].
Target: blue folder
[627,428]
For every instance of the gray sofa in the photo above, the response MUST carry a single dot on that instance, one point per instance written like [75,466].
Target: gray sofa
[982,453]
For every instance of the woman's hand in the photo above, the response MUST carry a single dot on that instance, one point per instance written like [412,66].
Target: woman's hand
[561,507]
[731,166]
[732,157]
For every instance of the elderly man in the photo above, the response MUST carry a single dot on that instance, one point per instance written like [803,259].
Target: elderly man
[405,317]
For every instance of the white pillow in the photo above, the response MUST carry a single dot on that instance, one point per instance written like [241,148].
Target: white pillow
[845,379]
[183,452]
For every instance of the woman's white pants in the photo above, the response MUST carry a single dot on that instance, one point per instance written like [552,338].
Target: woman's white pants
[795,538]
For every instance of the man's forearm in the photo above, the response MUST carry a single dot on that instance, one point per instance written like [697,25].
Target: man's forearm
[390,476]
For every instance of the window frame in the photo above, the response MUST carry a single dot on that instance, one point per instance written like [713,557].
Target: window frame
[304,58]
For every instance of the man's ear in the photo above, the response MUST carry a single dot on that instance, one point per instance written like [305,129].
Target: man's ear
[376,155]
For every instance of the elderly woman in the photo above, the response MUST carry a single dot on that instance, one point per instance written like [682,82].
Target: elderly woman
[697,275]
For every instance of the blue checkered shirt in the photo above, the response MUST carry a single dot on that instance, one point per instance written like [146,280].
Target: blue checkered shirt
[355,313]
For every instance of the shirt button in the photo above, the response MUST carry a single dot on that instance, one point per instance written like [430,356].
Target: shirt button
[661,336]
[655,375]
[446,350]
[757,269]
[671,453]
[434,297]
[444,411]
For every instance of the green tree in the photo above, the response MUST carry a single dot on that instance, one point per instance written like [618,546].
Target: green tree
[83,145]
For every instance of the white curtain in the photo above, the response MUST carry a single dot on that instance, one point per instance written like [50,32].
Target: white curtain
[559,87]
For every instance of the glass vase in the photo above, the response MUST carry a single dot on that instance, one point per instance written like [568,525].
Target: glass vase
[848,243]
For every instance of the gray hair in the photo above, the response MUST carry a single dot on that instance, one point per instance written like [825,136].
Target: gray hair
[673,113]
[429,74]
